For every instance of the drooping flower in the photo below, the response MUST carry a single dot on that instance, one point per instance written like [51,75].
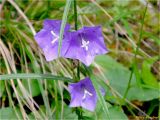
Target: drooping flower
[85,44]
[83,94]
[48,37]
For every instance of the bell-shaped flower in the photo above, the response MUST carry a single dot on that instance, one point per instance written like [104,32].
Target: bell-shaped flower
[48,37]
[85,44]
[83,94]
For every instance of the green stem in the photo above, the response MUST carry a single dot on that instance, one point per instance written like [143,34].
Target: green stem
[135,56]
[80,116]
[76,28]
[75,15]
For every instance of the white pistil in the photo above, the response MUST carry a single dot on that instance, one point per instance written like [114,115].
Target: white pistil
[56,37]
[85,44]
[85,94]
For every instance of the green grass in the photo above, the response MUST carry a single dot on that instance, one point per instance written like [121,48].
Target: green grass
[32,88]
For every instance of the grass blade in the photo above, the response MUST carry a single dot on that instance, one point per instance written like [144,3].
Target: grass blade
[64,20]
[33,76]
[100,97]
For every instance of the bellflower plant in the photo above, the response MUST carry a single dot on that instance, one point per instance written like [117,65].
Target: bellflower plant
[48,37]
[84,45]
[87,43]
[83,94]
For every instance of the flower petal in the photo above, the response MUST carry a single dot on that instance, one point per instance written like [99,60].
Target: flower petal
[76,93]
[89,103]
[55,25]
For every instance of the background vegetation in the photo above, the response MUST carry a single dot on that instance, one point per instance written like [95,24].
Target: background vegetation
[129,72]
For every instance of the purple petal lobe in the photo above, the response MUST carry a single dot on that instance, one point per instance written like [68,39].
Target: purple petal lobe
[55,25]
[76,93]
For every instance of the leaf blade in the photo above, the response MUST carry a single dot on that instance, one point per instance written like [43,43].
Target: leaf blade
[33,76]
[64,20]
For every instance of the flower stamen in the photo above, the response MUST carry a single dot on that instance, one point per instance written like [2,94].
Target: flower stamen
[85,44]
[85,94]
[56,37]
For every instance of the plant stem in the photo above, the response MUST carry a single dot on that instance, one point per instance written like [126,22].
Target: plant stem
[80,116]
[136,52]
[75,15]
[76,28]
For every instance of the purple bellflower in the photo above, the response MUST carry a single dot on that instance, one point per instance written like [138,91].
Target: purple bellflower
[83,94]
[48,37]
[85,44]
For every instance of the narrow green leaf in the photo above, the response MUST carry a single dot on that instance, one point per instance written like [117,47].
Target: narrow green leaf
[64,20]
[2,88]
[33,76]
[100,97]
